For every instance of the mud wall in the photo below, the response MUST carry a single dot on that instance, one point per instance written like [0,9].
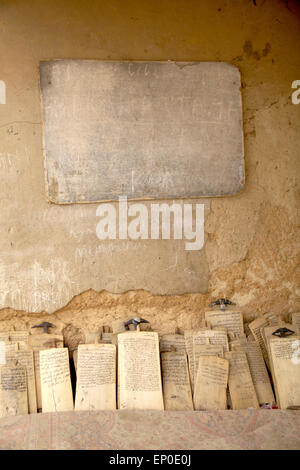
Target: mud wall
[50,258]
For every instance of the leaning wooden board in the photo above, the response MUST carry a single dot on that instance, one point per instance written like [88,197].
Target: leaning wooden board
[37,343]
[258,370]
[285,360]
[176,382]
[25,358]
[241,387]
[230,319]
[13,391]
[139,372]
[56,388]
[211,383]
[96,377]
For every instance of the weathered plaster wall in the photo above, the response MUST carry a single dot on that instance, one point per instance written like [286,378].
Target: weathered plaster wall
[252,240]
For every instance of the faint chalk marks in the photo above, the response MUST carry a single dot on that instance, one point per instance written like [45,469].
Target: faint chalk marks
[35,288]
[7,160]
[2,92]
[19,122]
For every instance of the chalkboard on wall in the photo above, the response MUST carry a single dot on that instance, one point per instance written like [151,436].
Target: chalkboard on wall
[145,130]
